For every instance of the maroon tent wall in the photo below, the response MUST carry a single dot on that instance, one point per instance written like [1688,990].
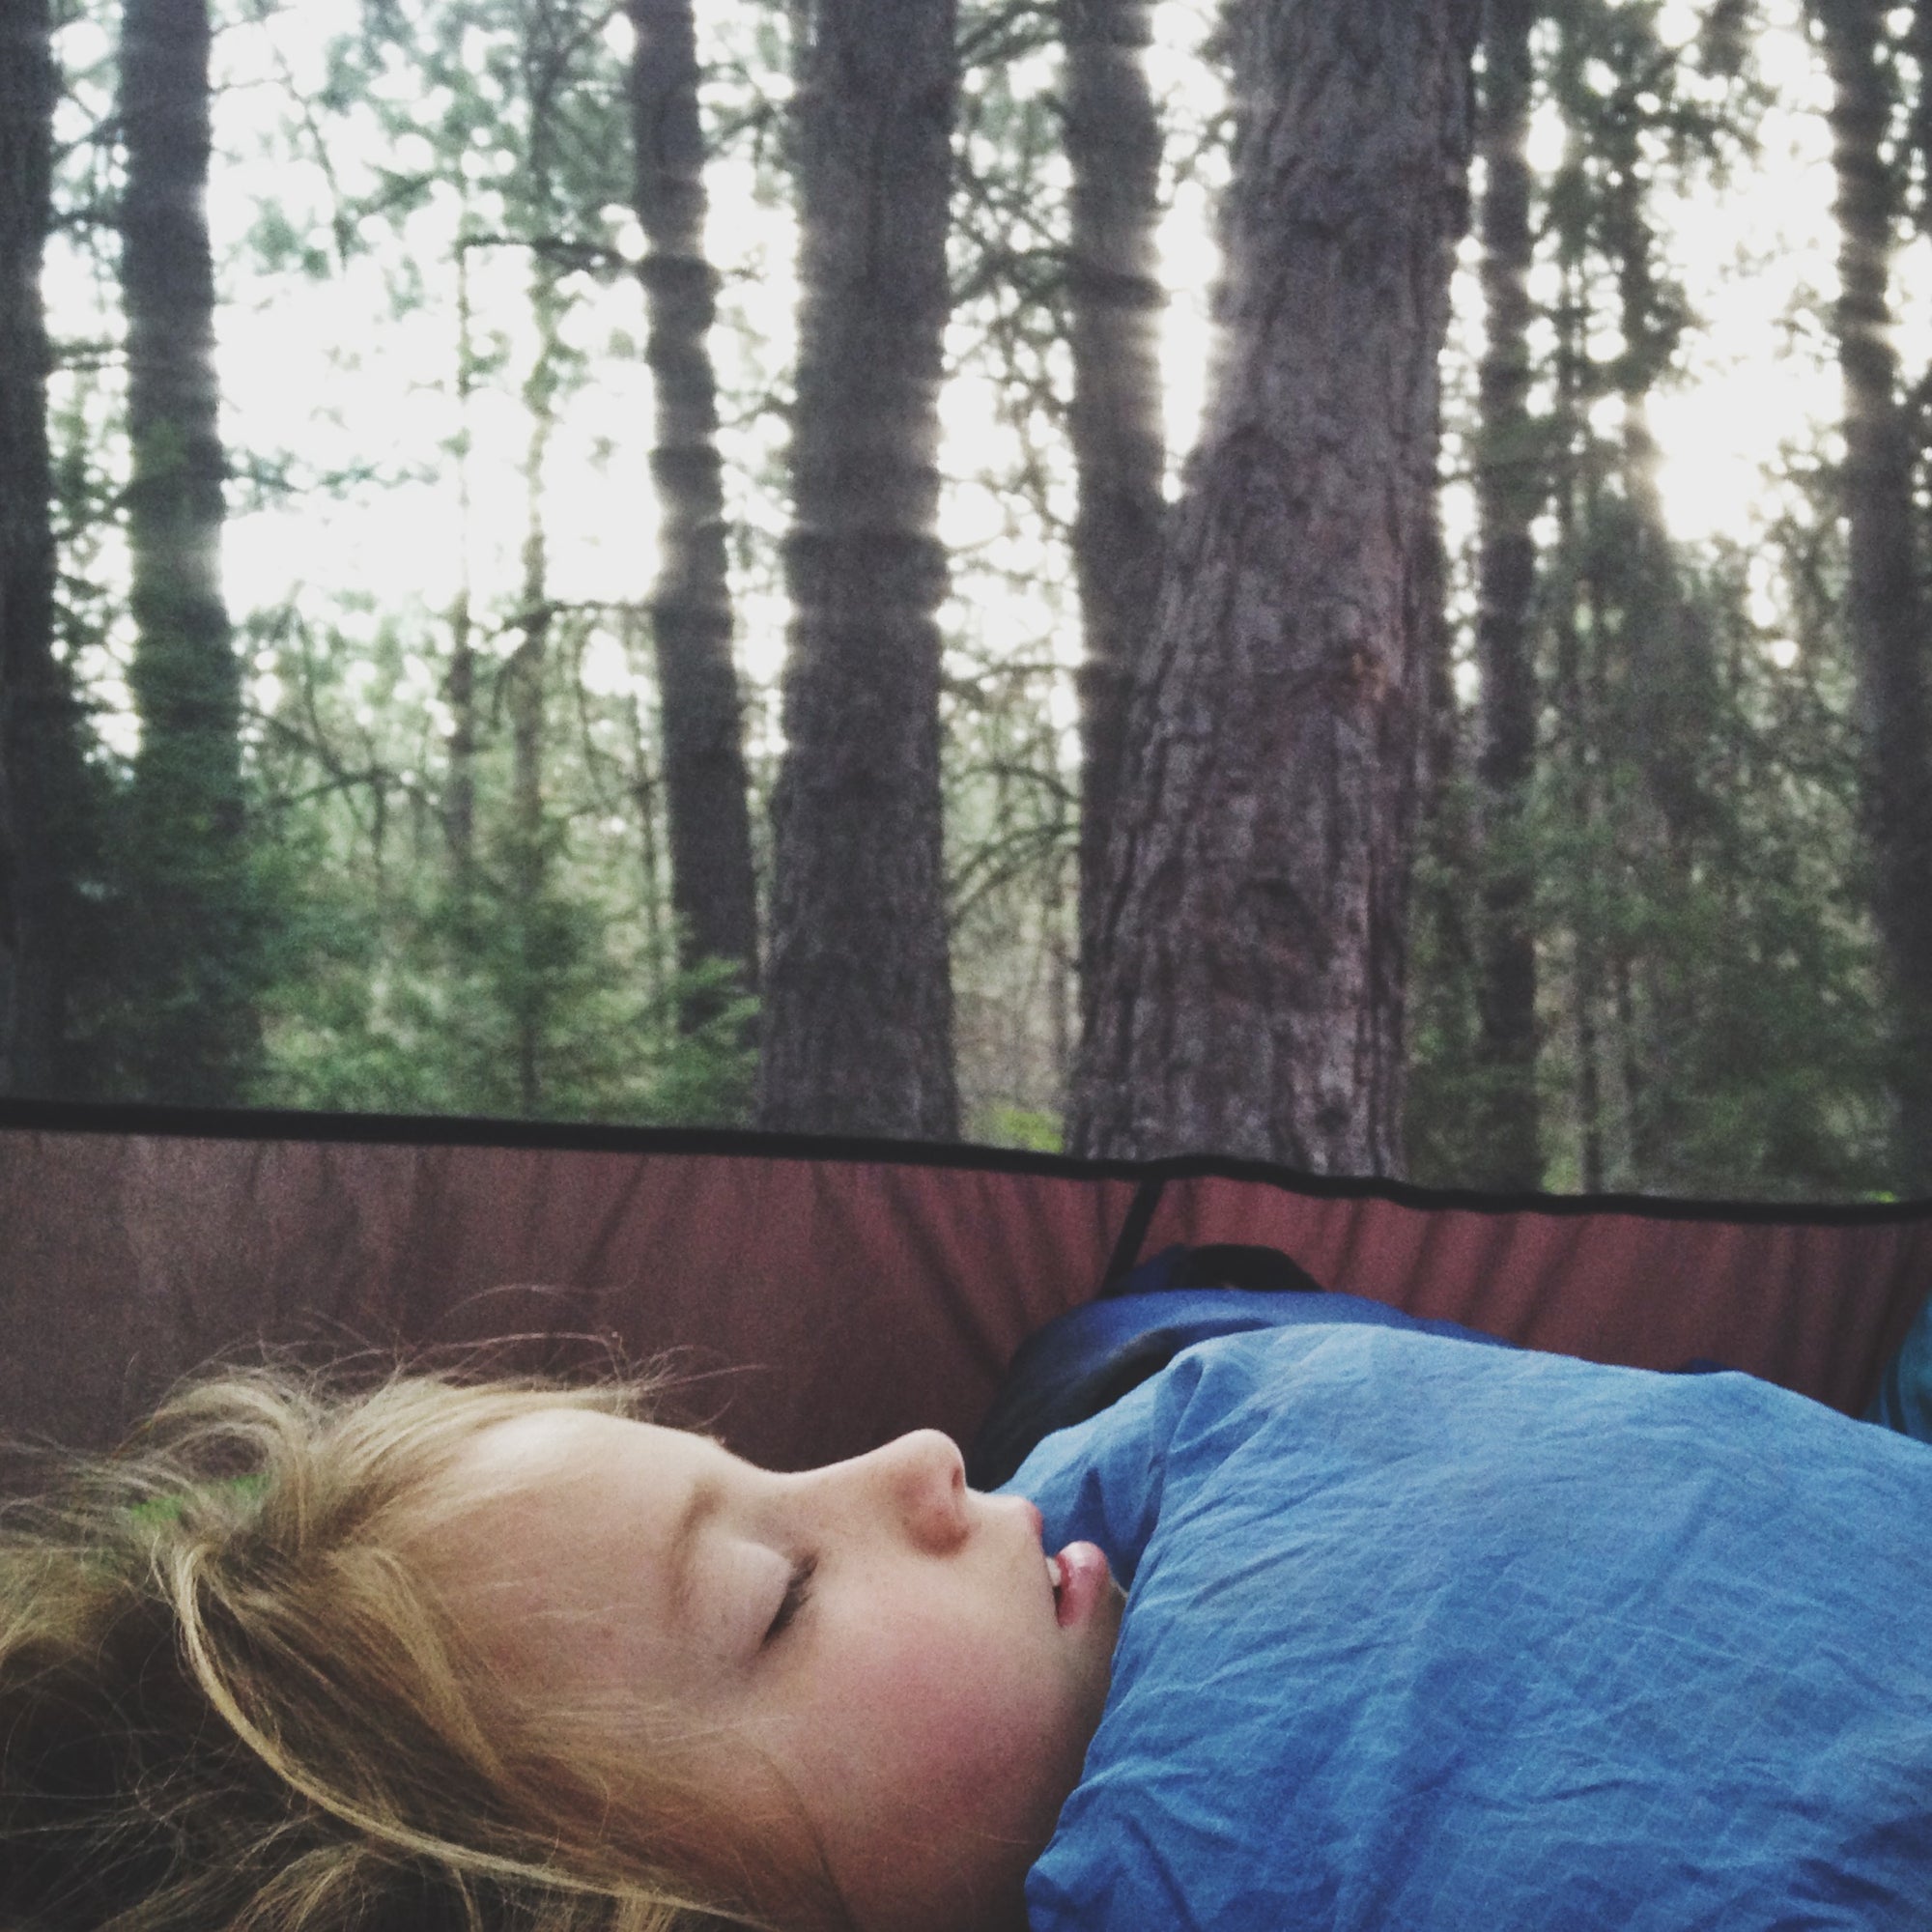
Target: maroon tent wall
[1816,1300]
[823,1295]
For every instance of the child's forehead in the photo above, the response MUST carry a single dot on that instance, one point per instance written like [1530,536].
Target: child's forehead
[543,1438]
[578,1457]
[562,1514]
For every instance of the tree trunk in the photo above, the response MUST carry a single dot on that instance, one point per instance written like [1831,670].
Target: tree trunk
[1668,674]
[858,1022]
[1665,711]
[1112,150]
[193,926]
[644,796]
[1585,885]
[1922,107]
[1505,1142]
[1885,609]
[713,890]
[1443,1001]
[459,808]
[526,675]
[1252,955]
[36,720]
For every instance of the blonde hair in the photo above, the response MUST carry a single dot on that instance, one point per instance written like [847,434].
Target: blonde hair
[229,1698]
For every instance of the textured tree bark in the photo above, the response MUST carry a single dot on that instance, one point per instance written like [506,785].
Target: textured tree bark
[858,1015]
[31,713]
[1112,150]
[1506,1144]
[1885,609]
[713,887]
[191,911]
[1254,944]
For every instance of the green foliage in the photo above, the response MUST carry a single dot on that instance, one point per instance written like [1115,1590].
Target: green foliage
[442,1001]
[1018,1127]
[1711,1018]
[281,248]
[1737,1022]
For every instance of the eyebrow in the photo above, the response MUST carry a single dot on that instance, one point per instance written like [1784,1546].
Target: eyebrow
[702,1504]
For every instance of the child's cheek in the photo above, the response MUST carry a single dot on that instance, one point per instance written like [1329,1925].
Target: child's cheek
[942,1711]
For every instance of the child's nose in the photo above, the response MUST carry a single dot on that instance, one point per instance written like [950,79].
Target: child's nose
[927,1480]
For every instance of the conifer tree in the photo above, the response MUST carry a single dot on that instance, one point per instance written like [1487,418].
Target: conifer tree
[193,926]
[706,784]
[34,723]
[458,791]
[1114,295]
[1252,962]
[1886,604]
[857,1025]
[1511,489]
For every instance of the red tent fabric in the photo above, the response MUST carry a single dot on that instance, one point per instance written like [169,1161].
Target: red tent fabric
[823,1295]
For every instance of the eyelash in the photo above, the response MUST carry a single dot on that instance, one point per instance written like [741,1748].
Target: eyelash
[797,1591]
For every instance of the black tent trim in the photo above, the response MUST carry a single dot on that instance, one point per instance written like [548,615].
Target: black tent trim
[458,1130]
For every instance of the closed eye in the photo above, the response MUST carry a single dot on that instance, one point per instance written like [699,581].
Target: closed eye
[797,1591]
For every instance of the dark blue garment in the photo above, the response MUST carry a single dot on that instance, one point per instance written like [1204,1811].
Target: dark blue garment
[1093,1355]
[1904,1398]
[1423,1636]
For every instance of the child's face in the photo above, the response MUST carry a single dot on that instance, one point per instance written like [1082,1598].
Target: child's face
[881,1640]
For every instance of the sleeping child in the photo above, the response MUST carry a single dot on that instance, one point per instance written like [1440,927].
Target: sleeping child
[1414,1634]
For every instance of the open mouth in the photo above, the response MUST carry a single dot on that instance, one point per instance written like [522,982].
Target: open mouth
[1079,1578]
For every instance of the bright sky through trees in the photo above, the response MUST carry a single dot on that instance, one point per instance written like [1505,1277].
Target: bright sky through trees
[332,370]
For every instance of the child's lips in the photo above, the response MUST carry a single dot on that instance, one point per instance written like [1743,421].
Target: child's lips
[1079,1577]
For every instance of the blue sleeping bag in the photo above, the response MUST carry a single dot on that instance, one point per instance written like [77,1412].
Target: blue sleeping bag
[1427,1635]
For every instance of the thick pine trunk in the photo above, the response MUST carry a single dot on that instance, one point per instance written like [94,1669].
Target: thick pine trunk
[713,889]
[1113,151]
[1505,1141]
[858,1015]
[1885,609]
[36,724]
[193,926]
[1253,950]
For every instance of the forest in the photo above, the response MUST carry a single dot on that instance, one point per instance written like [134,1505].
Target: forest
[1338,585]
